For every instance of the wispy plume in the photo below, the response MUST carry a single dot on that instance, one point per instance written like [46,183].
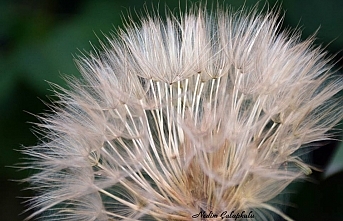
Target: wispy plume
[175,119]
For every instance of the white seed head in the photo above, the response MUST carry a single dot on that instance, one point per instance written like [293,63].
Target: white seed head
[200,112]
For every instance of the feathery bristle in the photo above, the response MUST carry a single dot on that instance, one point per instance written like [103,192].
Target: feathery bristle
[200,112]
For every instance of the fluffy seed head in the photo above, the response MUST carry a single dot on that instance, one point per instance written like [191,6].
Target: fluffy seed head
[200,112]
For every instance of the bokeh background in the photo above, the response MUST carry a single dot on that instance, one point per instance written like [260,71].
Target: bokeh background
[38,42]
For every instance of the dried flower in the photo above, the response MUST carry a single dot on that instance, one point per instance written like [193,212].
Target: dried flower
[185,119]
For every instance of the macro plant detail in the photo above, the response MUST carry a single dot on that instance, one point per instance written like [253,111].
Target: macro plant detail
[203,111]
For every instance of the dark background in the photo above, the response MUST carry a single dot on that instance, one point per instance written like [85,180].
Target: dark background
[38,39]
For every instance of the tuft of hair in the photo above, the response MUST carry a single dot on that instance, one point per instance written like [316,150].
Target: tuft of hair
[174,119]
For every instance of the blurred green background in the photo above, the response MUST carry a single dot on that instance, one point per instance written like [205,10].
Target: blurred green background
[38,39]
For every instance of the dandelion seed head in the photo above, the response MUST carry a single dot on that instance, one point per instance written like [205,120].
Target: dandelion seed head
[197,112]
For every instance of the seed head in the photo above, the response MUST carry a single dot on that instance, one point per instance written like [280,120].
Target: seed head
[202,112]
